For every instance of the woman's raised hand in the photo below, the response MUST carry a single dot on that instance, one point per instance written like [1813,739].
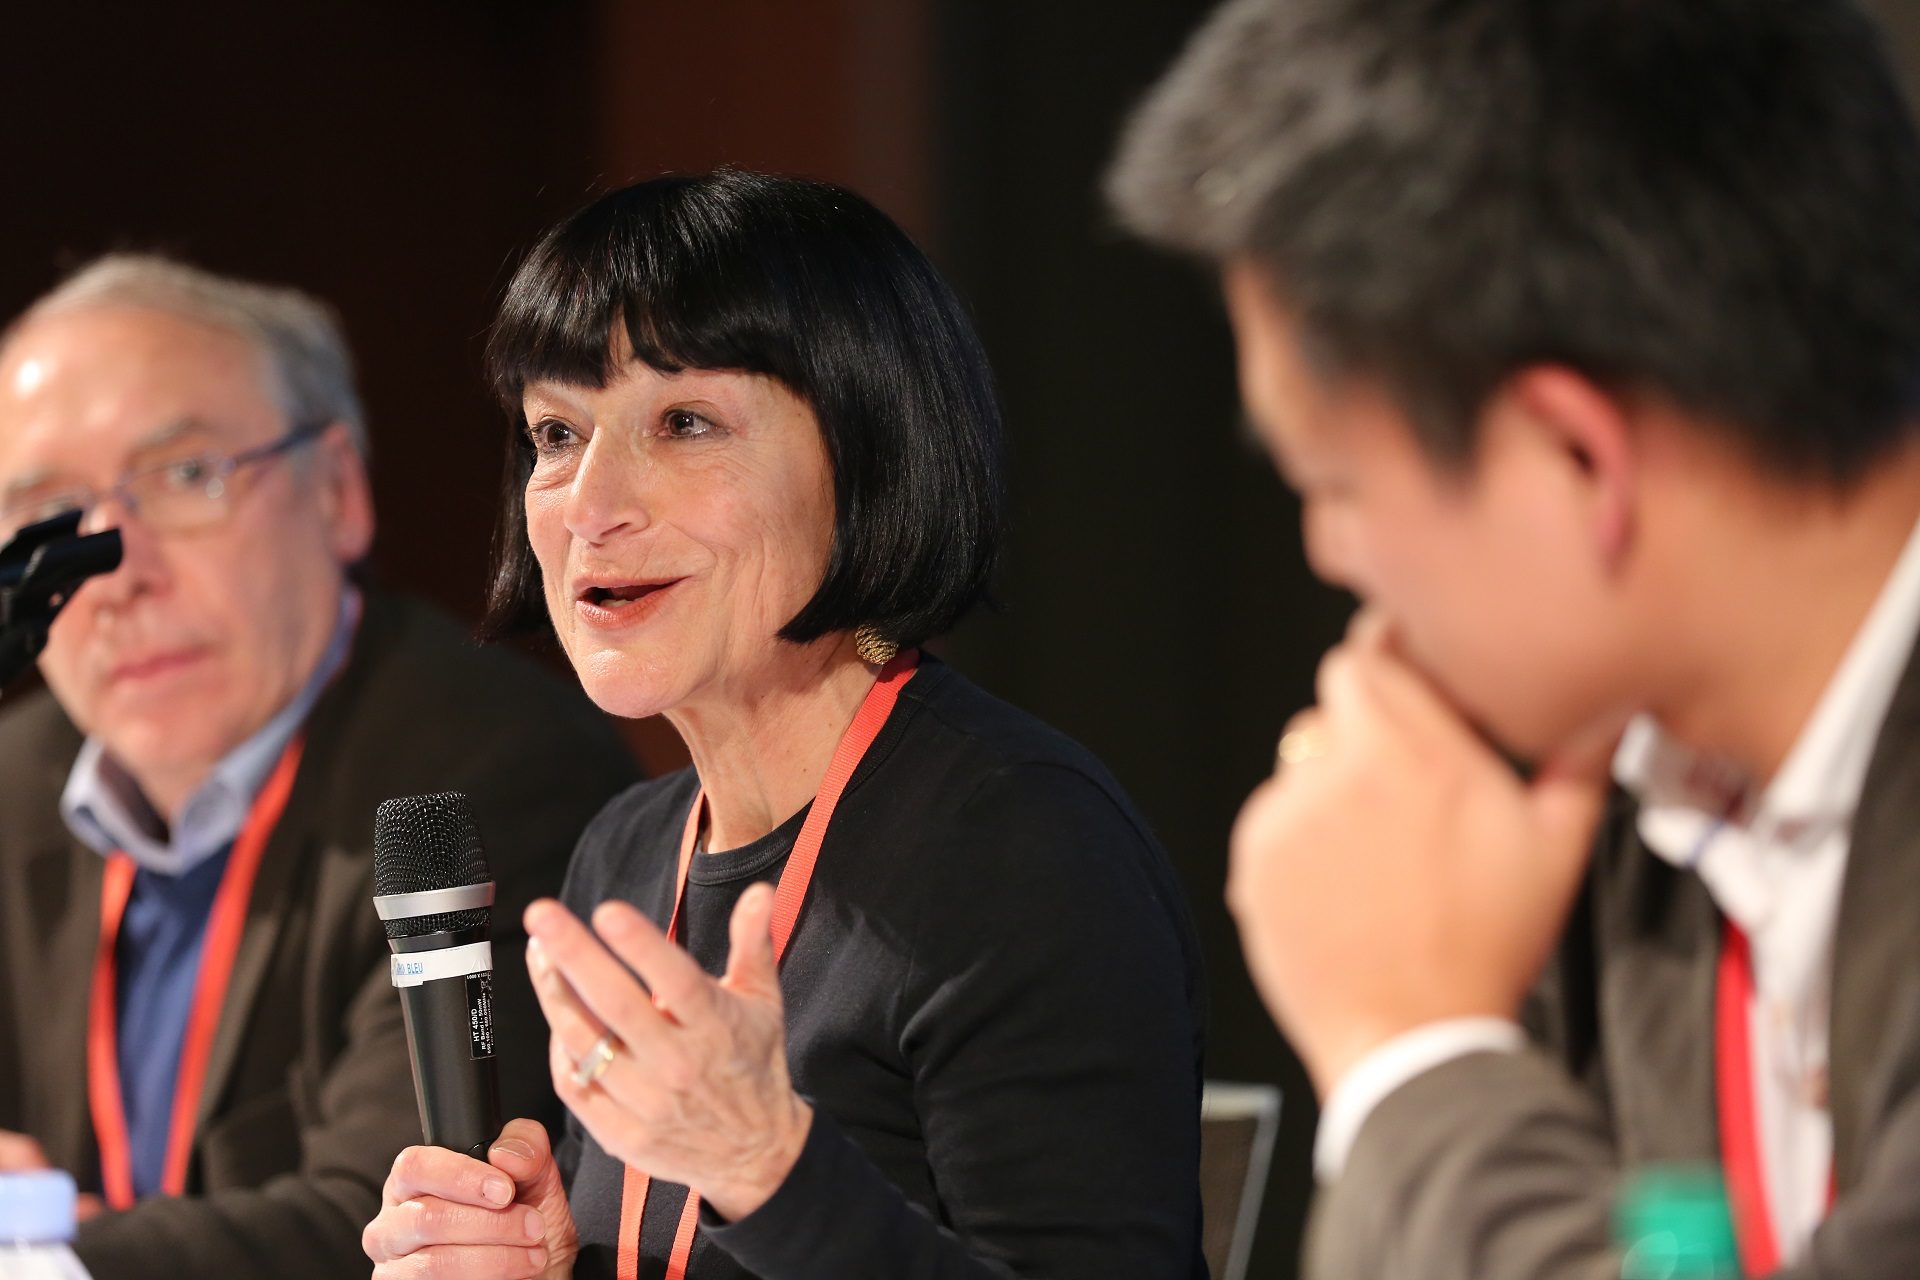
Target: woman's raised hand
[695,1089]
[445,1215]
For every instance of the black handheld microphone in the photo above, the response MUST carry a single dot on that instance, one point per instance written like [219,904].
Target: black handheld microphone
[433,891]
[55,553]
[40,569]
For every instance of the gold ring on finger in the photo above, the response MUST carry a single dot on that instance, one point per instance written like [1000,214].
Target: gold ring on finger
[593,1064]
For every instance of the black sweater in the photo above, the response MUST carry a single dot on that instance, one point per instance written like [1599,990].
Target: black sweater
[993,1003]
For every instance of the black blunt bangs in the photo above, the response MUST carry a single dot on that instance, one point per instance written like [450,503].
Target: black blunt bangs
[809,284]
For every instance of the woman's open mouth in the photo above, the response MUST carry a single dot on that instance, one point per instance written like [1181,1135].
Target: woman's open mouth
[615,597]
[614,604]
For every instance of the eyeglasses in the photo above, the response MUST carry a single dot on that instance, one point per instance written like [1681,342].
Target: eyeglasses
[177,496]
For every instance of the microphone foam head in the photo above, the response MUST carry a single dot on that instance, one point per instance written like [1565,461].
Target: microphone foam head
[428,842]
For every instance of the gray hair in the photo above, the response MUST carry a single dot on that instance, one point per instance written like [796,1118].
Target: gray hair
[298,334]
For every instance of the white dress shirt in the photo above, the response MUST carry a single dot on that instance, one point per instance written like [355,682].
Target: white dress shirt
[1773,860]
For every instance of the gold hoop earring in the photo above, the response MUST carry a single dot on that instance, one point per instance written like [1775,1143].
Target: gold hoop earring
[873,647]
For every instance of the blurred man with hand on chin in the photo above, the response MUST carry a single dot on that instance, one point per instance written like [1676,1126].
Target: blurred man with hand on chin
[1587,333]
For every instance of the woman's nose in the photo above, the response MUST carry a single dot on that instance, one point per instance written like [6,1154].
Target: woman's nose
[607,495]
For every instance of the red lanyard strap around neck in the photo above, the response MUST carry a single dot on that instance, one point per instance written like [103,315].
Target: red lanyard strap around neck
[1740,1146]
[1739,1124]
[221,945]
[788,896]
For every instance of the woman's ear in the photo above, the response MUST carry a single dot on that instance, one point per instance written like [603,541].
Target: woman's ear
[1590,428]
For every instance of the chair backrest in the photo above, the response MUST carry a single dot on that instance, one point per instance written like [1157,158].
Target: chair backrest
[1237,1127]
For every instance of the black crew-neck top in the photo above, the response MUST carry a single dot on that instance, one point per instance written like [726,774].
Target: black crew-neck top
[994,1005]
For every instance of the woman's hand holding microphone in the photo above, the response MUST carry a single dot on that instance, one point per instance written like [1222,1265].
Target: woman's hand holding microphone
[684,1078]
[445,1215]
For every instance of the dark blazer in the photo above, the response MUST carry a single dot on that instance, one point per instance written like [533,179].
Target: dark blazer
[1499,1167]
[308,1094]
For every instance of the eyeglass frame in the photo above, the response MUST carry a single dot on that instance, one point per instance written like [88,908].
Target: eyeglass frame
[221,467]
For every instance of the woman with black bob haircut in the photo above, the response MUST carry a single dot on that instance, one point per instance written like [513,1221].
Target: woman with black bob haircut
[916,992]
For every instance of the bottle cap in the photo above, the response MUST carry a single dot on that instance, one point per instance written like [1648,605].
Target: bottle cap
[36,1207]
[1672,1223]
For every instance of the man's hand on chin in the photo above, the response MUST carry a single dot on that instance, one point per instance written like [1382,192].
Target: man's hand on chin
[19,1153]
[1395,871]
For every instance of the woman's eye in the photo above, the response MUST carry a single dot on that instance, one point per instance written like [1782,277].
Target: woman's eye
[684,424]
[549,436]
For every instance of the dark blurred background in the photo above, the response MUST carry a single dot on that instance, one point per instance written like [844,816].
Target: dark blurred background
[396,157]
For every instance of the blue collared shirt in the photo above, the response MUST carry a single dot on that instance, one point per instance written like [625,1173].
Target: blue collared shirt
[162,932]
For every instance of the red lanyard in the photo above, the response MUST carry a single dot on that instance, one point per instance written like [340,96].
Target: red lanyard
[791,892]
[1739,1126]
[1739,1121]
[222,943]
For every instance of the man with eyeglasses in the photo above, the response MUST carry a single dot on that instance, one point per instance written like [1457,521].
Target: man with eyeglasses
[195,1015]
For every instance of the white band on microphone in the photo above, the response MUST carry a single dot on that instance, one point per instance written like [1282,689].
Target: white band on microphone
[416,967]
[433,902]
